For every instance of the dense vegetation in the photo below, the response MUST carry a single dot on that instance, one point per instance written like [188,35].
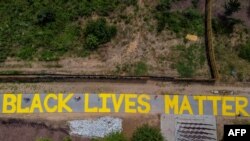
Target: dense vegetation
[187,21]
[46,30]
[98,32]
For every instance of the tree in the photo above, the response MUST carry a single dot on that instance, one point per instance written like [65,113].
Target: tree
[231,6]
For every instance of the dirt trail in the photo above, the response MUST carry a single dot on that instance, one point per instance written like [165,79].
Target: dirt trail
[148,87]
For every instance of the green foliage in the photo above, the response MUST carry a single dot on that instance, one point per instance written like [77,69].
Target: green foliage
[4,52]
[48,55]
[97,32]
[189,59]
[141,68]
[43,139]
[195,3]
[147,133]
[67,139]
[188,21]
[138,68]
[224,25]
[113,137]
[231,6]
[91,42]
[50,26]
[26,53]
[244,52]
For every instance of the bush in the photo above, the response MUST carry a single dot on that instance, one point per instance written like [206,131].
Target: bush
[141,68]
[147,133]
[97,32]
[195,3]
[4,52]
[231,6]
[91,42]
[188,21]
[48,55]
[224,25]
[26,53]
[117,136]
[245,52]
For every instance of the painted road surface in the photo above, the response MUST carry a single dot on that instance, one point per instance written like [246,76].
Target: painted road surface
[126,103]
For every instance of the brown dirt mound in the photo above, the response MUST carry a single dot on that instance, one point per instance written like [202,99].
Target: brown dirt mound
[21,130]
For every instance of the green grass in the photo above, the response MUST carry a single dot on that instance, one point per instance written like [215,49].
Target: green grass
[189,59]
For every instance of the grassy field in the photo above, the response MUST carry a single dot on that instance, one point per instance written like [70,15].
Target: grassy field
[121,37]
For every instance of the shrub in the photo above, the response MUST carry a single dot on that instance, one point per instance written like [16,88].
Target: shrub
[48,55]
[91,42]
[147,133]
[141,68]
[185,69]
[195,3]
[97,32]
[117,136]
[45,16]
[224,25]
[4,52]
[245,52]
[231,6]
[26,53]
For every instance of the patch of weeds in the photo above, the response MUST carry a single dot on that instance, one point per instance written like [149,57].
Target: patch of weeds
[147,133]
[117,136]
[4,52]
[48,55]
[189,59]
[43,139]
[139,68]
[13,72]
[244,52]
[26,53]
